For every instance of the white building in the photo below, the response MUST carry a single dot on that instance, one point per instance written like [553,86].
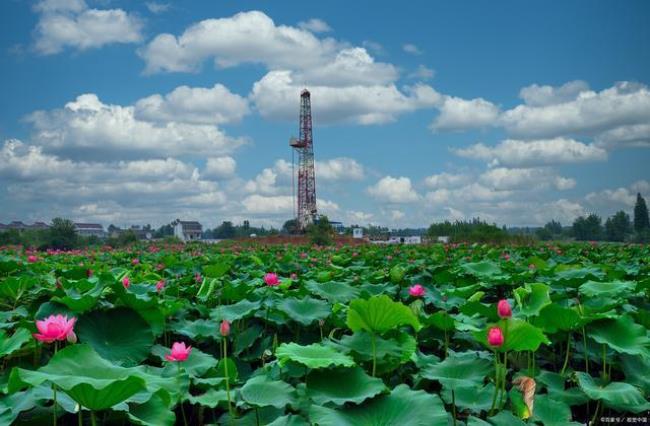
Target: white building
[443,239]
[90,230]
[415,239]
[187,230]
[357,233]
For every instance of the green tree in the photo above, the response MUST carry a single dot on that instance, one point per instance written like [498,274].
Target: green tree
[62,234]
[588,228]
[320,232]
[290,226]
[225,231]
[618,226]
[641,220]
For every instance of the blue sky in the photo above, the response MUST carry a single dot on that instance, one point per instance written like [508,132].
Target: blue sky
[133,112]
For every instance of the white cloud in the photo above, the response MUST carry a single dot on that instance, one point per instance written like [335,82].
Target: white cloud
[264,183]
[503,178]
[359,217]
[622,198]
[624,104]
[88,127]
[276,97]
[155,7]
[423,73]
[216,105]
[394,190]
[636,135]
[220,167]
[280,205]
[247,37]
[411,48]
[397,215]
[72,24]
[315,25]
[446,180]
[341,168]
[519,153]
[462,114]
[536,96]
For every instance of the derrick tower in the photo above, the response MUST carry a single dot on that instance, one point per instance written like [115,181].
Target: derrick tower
[306,205]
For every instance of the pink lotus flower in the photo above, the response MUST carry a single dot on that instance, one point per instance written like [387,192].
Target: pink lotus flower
[55,328]
[179,352]
[271,279]
[160,267]
[32,259]
[416,291]
[503,309]
[293,276]
[224,329]
[198,278]
[89,273]
[495,336]
[126,282]
[160,285]
[135,261]
[531,266]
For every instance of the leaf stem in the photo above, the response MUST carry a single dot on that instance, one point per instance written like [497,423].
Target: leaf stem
[93,421]
[568,352]
[453,405]
[496,382]
[225,369]
[374,354]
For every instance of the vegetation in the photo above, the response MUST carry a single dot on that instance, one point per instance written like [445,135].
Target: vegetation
[427,335]
[321,232]
[469,231]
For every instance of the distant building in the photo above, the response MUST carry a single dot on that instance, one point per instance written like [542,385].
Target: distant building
[338,227]
[415,239]
[90,230]
[443,239]
[20,226]
[187,230]
[357,232]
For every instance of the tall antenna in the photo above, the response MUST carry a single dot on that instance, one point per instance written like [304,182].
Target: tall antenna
[306,206]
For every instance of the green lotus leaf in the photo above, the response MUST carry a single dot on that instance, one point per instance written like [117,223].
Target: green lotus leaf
[617,395]
[505,418]
[475,421]
[8,345]
[532,298]
[555,386]
[119,335]
[442,320]
[612,289]
[260,391]
[289,420]
[552,412]
[379,314]
[236,311]
[313,356]
[554,317]
[481,269]
[333,291]
[360,343]
[621,334]
[306,310]
[637,371]
[210,399]
[324,386]
[403,406]
[154,412]
[519,336]
[196,365]
[473,398]
[397,273]
[458,370]
[89,379]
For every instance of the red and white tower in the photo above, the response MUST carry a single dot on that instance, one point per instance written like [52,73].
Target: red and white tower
[306,206]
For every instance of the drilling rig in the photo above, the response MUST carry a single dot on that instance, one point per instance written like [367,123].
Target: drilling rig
[306,206]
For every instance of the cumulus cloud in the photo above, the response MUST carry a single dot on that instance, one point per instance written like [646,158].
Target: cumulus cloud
[411,48]
[198,105]
[446,180]
[463,114]
[156,7]
[622,198]
[315,25]
[220,167]
[89,127]
[73,24]
[520,153]
[341,168]
[394,190]
[503,178]
[575,110]
[276,97]
[422,73]
[359,217]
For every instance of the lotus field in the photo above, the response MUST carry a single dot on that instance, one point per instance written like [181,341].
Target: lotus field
[289,335]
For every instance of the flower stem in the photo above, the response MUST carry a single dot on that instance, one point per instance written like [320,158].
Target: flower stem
[568,352]
[180,397]
[453,405]
[374,354]
[93,421]
[496,382]
[503,380]
[225,369]
[54,417]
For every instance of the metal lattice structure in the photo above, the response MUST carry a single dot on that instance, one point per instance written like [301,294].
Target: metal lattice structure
[306,206]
